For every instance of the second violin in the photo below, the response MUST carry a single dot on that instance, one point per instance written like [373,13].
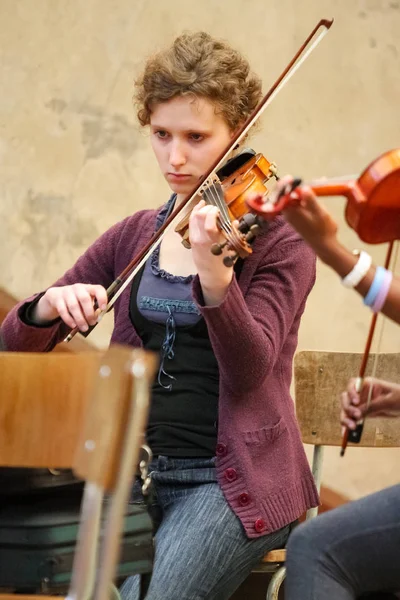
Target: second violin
[373,200]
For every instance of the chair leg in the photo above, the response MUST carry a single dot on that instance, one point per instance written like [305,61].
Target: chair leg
[318,458]
[275,584]
[85,558]
[136,424]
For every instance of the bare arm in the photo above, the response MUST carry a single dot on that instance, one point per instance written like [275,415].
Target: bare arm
[341,260]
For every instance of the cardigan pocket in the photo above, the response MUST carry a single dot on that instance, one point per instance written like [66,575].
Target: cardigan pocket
[264,434]
[268,452]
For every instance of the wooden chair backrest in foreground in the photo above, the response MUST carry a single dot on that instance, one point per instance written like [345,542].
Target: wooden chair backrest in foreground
[87,412]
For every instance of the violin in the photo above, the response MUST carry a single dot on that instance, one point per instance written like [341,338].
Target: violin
[246,173]
[373,200]
[213,189]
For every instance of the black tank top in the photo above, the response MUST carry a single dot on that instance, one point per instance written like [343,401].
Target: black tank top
[184,400]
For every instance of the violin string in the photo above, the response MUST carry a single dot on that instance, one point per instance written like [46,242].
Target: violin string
[221,221]
[218,194]
[220,202]
[218,199]
[212,196]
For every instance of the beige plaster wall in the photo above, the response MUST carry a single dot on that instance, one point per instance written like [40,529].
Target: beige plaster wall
[73,160]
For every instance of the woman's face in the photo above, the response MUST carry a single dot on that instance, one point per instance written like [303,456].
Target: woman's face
[187,136]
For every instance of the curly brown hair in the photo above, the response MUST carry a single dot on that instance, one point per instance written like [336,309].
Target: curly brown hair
[201,65]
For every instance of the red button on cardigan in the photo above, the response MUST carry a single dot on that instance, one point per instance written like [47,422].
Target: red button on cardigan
[221,449]
[244,499]
[259,525]
[230,475]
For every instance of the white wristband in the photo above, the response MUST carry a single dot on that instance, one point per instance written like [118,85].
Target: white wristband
[359,270]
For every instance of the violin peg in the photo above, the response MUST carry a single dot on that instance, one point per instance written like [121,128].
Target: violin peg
[230,260]
[246,222]
[216,249]
[255,229]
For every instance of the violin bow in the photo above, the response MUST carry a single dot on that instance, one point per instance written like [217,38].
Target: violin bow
[123,280]
[354,435]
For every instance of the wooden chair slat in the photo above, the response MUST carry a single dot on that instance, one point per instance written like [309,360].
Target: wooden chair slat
[43,399]
[275,556]
[63,411]
[320,377]
[103,432]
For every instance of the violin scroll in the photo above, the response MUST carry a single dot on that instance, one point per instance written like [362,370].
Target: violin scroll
[270,205]
[249,227]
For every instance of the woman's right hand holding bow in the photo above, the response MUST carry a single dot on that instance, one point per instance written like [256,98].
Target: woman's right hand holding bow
[73,303]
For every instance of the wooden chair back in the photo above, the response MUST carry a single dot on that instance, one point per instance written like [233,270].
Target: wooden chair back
[320,377]
[43,401]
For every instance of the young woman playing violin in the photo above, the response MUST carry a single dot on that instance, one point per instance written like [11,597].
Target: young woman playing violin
[354,549]
[229,475]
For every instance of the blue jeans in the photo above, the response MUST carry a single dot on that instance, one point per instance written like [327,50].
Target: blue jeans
[201,550]
[347,552]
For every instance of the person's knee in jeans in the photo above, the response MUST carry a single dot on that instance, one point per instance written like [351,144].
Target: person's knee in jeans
[307,542]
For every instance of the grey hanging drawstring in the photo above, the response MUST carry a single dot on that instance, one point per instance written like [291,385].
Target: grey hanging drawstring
[167,348]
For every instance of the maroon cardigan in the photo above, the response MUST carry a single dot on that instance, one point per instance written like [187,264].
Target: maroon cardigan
[261,465]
